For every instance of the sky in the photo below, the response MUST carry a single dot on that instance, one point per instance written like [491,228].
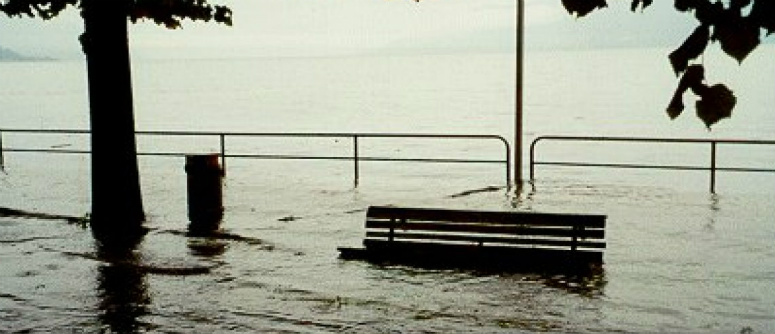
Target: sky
[339,27]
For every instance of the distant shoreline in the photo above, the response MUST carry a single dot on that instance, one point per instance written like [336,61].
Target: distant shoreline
[8,55]
[30,59]
[26,59]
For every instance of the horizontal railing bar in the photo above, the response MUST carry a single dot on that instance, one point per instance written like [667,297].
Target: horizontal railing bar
[743,169]
[276,157]
[378,159]
[322,135]
[54,151]
[673,167]
[712,168]
[272,134]
[658,140]
[222,136]
[584,164]
[52,131]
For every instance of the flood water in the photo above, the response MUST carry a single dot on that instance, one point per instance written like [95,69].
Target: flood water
[678,258]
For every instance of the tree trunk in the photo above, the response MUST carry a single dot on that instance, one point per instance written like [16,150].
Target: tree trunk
[117,208]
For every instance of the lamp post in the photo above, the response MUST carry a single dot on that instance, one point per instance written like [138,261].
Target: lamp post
[518,101]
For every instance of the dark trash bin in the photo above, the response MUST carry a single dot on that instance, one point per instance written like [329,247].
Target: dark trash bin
[205,194]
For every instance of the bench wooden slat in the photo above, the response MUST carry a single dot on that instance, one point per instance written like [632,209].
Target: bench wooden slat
[435,253]
[487,228]
[485,240]
[518,240]
[462,216]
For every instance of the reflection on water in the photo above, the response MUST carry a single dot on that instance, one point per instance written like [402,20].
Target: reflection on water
[675,261]
[122,284]
[522,196]
[207,247]
[589,284]
[123,292]
[715,207]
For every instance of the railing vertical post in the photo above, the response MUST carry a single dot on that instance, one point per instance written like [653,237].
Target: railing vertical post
[2,150]
[532,158]
[508,164]
[355,161]
[223,153]
[713,167]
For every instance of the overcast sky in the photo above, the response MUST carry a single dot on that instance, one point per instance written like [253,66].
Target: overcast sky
[331,27]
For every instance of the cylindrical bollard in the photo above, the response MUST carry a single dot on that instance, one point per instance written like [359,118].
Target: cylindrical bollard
[205,194]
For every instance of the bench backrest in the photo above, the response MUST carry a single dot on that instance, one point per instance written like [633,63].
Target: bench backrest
[485,228]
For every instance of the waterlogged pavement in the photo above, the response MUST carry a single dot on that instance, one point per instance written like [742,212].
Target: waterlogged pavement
[678,260]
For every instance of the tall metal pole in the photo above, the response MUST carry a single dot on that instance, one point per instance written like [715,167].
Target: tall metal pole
[519,103]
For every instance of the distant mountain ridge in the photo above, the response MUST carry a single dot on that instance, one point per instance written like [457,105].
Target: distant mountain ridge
[10,55]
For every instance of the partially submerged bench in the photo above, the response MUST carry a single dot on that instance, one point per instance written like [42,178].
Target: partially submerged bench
[481,239]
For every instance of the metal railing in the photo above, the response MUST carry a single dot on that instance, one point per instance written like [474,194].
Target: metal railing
[356,158]
[711,167]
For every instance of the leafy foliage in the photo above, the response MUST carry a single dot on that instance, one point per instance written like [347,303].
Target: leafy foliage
[583,7]
[640,4]
[737,33]
[716,102]
[168,13]
[45,9]
[691,49]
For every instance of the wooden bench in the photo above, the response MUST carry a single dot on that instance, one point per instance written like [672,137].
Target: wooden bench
[498,240]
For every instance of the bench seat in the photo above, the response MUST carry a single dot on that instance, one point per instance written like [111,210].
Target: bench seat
[489,239]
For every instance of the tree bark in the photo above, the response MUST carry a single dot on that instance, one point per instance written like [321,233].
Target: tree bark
[117,208]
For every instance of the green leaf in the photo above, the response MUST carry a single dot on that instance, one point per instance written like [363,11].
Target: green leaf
[642,4]
[692,48]
[739,4]
[581,8]
[738,37]
[223,15]
[168,13]
[763,14]
[691,79]
[716,103]
[685,5]
[171,13]
[676,106]
[44,9]
[708,13]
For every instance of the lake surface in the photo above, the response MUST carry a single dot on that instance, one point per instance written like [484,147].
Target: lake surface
[679,259]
